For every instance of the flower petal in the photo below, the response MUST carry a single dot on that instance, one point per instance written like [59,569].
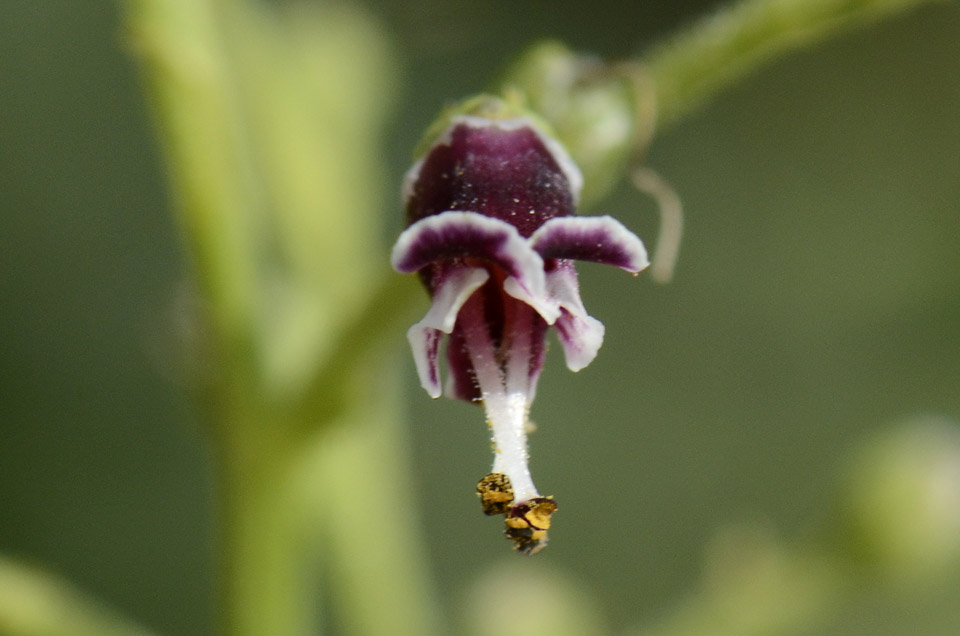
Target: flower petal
[450,292]
[580,334]
[459,235]
[541,302]
[600,239]
[425,343]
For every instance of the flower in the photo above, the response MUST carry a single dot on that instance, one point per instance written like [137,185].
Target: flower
[493,236]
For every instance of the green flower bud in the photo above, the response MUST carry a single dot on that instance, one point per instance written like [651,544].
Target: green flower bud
[902,499]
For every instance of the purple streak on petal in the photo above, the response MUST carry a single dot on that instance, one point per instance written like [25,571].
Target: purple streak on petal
[580,334]
[461,383]
[480,333]
[600,239]
[516,345]
[514,330]
[425,343]
[538,353]
[499,170]
[452,289]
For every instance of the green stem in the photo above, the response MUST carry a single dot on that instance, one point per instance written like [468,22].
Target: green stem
[392,305]
[720,49]
[358,481]
[338,499]
[262,585]
[302,471]
[188,77]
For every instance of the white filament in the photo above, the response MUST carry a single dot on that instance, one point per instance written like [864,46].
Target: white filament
[507,403]
[507,416]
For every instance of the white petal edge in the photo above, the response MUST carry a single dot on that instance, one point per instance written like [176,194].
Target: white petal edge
[542,303]
[617,237]
[425,344]
[580,334]
[515,254]
[580,349]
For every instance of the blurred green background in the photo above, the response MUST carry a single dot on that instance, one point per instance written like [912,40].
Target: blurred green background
[816,303]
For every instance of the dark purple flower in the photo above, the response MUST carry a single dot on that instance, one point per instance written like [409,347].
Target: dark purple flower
[493,236]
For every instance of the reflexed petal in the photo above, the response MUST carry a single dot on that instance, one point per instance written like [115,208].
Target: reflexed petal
[580,334]
[450,292]
[449,295]
[460,235]
[425,343]
[542,303]
[599,239]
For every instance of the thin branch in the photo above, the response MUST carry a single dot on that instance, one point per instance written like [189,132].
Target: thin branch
[720,49]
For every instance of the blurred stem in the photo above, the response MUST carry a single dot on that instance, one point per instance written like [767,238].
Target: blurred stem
[392,305]
[36,603]
[269,117]
[721,48]
[374,545]
[261,586]
[189,78]
[346,485]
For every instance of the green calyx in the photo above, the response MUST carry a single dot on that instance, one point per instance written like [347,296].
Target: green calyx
[485,106]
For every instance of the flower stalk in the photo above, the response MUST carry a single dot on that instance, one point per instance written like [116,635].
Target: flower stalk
[722,48]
